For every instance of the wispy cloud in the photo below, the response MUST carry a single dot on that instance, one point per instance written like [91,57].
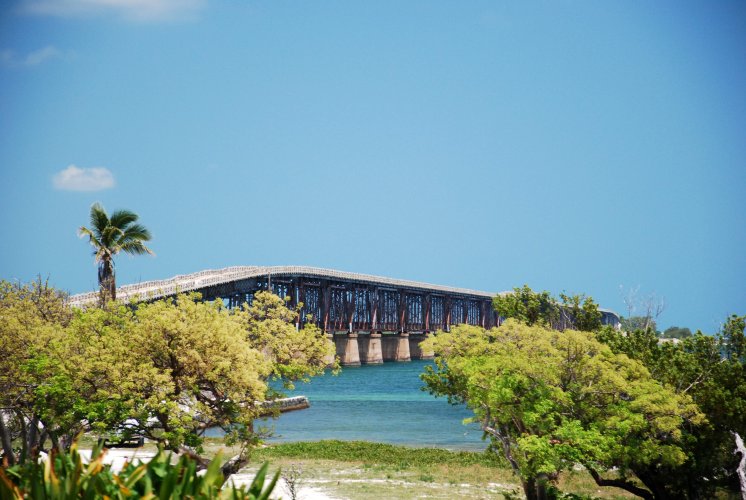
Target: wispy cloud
[133,10]
[83,179]
[41,55]
[9,58]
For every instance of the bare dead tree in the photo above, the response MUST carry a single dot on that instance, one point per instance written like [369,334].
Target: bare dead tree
[630,298]
[653,307]
[648,308]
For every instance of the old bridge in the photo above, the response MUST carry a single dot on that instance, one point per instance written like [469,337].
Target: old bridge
[371,319]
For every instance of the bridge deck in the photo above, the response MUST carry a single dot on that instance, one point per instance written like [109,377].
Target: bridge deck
[333,300]
[211,277]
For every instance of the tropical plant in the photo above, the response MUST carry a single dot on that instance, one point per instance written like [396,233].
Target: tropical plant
[67,474]
[109,236]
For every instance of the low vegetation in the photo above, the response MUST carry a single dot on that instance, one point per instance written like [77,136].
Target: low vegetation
[67,475]
[364,470]
[379,453]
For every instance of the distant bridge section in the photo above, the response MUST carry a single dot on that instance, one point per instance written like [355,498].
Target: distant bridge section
[384,310]
[333,300]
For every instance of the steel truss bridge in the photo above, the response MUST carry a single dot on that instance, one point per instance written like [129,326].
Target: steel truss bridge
[336,301]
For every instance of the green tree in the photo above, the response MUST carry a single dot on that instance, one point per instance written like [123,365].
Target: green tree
[580,313]
[109,236]
[633,323]
[32,322]
[709,370]
[295,354]
[674,332]
[207,374]
[167,370]
[527,306]
[551,399]
[197,365]
[540,308]
[734,339]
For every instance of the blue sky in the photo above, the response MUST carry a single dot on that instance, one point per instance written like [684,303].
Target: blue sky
[572,146]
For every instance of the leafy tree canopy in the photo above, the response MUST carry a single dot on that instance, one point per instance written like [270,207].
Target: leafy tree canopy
[167,370]
[540,308]
[634,323]
[674,332]
[551,399]
[711,369]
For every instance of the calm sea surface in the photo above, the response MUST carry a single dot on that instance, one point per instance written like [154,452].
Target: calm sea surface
[381,403]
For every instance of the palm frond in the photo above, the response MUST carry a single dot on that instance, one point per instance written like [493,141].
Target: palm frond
[99,219]
[111,236]
[122,218]
[135,247]
[95,242]
[136,232]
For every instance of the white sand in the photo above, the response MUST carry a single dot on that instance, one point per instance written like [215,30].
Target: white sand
[118,456]
[281,491]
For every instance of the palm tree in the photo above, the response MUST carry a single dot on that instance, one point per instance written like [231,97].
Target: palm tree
[109,236]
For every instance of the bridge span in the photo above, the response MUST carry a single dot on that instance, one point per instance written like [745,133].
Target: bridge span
[390,316]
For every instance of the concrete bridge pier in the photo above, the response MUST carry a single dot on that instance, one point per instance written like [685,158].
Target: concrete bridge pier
[371,351]
[329,360]
[348,350]
[415,349]
[402,347]
[396,347]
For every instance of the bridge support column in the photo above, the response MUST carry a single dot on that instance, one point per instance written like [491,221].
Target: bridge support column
[402,347]
[372,353]
[415,348]
[347,349]
[329,360]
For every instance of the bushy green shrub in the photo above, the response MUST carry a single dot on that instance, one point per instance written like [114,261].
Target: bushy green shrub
[67,476]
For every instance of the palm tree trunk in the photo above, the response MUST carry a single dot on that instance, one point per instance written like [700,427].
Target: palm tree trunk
[107,281]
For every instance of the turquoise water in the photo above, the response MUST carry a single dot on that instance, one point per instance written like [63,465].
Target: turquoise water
[381,403]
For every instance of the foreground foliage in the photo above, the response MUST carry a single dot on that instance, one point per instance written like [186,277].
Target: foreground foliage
[66,475]
[711,369]
[167,370]
[550,400]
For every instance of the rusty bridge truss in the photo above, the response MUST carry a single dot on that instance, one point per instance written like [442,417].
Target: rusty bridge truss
[335,301]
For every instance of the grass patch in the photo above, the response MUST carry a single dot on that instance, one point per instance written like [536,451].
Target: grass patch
[398,457]
[406,470]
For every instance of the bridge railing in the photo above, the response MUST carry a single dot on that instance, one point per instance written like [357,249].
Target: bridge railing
[212,277]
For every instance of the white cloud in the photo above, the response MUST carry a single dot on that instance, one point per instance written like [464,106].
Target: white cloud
[134,10]
[83,179]
[41,55]
[9,58]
